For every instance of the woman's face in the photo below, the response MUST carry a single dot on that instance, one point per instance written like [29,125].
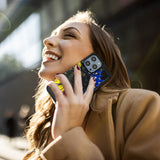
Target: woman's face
[66,46]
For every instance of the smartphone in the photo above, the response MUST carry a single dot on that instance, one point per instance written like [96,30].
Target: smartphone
[91,66]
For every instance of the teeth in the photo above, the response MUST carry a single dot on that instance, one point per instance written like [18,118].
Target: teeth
[51,56]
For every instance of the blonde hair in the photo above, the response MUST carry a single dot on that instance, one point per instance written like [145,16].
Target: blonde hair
[103,44]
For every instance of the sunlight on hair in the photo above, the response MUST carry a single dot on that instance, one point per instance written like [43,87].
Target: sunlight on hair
[84,17]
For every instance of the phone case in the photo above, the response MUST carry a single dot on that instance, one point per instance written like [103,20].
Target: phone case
[91,66]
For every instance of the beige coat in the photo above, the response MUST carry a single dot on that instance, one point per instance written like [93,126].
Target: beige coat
[129,130]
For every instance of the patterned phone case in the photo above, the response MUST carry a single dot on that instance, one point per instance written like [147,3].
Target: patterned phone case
[91,66]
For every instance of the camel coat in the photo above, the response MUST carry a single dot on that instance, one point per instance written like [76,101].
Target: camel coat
[127,129]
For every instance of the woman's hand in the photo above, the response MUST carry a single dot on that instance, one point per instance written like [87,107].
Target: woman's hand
[71,107]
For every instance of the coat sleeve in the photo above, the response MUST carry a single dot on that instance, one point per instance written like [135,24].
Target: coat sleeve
[72,145]
[138,131]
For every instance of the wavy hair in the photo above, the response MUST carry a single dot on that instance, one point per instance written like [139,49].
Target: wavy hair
[103,44]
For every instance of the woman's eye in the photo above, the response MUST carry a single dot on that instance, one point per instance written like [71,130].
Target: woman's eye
[69,35]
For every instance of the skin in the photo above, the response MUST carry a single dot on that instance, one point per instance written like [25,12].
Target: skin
[71,43]
[70,49]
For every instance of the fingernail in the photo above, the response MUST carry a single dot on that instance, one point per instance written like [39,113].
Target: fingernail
[64,93]
[56,75]
[78,67]
[94,78]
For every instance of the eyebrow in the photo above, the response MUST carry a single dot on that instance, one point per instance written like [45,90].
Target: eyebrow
[68,28]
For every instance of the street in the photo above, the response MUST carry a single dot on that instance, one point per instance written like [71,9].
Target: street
[12,149]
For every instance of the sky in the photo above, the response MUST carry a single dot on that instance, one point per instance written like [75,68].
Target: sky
[24,43]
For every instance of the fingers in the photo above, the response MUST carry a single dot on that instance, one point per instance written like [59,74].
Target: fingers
[66,84]
[78,88]
[90,89]
[57,92]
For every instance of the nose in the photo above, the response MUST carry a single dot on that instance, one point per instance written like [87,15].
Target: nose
[49,42]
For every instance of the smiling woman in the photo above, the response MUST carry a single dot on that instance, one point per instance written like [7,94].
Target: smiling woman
[65,43]
[114,122]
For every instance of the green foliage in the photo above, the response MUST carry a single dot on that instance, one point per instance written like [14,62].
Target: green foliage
[9,65]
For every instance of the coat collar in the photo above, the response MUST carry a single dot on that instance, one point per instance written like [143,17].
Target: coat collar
[103,97]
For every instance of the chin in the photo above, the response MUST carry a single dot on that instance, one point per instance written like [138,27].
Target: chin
[44,74]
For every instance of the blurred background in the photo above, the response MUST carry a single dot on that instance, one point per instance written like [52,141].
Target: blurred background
[135,25]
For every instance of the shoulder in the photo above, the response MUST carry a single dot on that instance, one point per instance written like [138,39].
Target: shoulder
[137,124]
[137,105]
[136,96]
[133,104]
[140,92]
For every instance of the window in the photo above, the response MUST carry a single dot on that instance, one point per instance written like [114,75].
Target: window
[24,43]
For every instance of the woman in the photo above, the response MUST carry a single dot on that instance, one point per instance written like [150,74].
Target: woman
[116,122]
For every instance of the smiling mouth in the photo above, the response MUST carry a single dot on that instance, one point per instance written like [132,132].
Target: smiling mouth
[50,56]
